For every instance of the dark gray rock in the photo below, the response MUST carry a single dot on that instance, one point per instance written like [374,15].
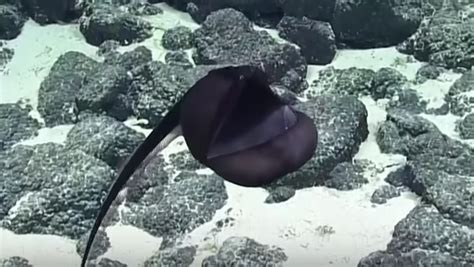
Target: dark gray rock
[104,92]
[414,258]
[280,194]
[411,135]
[225,222]
[52,11]
[399,177]
[177,38]
[113,3]
[408,100]
[445,182]
[104,23]
[16,124]
[228,37]
[156,87]
[106,262]
[375,23]
[459,161]
[183,160]
[452,196]
[101,245]
[142,8]
[460,95]
[427,72]
[10,2]
[466,127]
[445,40]
[244,251]
[346,176]
[424,228]
[12,164]
[11,22]
[184,174]
[315,38]
[62,189]
[57,93]
[384,193]
[317,10]
[148,183]
[387,83]
[6,54]
[441,110]
[182,257]
[131,59]
[15,261]
[264,11]
[350,81]
[108,46]
[179,59]
[342,126]
[180,208]
[104,138]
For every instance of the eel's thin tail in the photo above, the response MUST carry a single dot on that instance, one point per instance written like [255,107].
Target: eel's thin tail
[168,124]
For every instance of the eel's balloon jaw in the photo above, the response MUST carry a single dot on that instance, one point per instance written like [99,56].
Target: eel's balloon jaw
[244,132]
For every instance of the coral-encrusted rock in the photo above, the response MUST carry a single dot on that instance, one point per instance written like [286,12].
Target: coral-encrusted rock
[415,257]
[385,83]
[318,10]
[51,11]
[103,92]
[264,11]
[106,262]
[461,94]
[16,124]
[179,59]
[106,23]
[466,127]
[244,251]
[156,87]
[315,38]
[342,126]
[101,244]
[427,72]
[179,208]
[412,135]
[178,38]
[182,257]
[104,138]
[11,22]
[383,193]
[425,228]
[57,93]
[61,189]
[446,40]
[6,54]
[346,176]
[375,23]
[15,261]
[228,37]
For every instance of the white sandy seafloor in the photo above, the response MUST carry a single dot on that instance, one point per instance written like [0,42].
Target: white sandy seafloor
[298,225]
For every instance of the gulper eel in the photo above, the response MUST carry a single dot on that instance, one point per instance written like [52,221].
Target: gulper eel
[233,123]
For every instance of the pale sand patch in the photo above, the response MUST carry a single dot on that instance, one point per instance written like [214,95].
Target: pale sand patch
[36,50]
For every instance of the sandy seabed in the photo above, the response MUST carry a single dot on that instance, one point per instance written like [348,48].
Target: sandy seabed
[359,226]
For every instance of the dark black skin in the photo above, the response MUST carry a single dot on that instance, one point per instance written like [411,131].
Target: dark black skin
[234,124]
